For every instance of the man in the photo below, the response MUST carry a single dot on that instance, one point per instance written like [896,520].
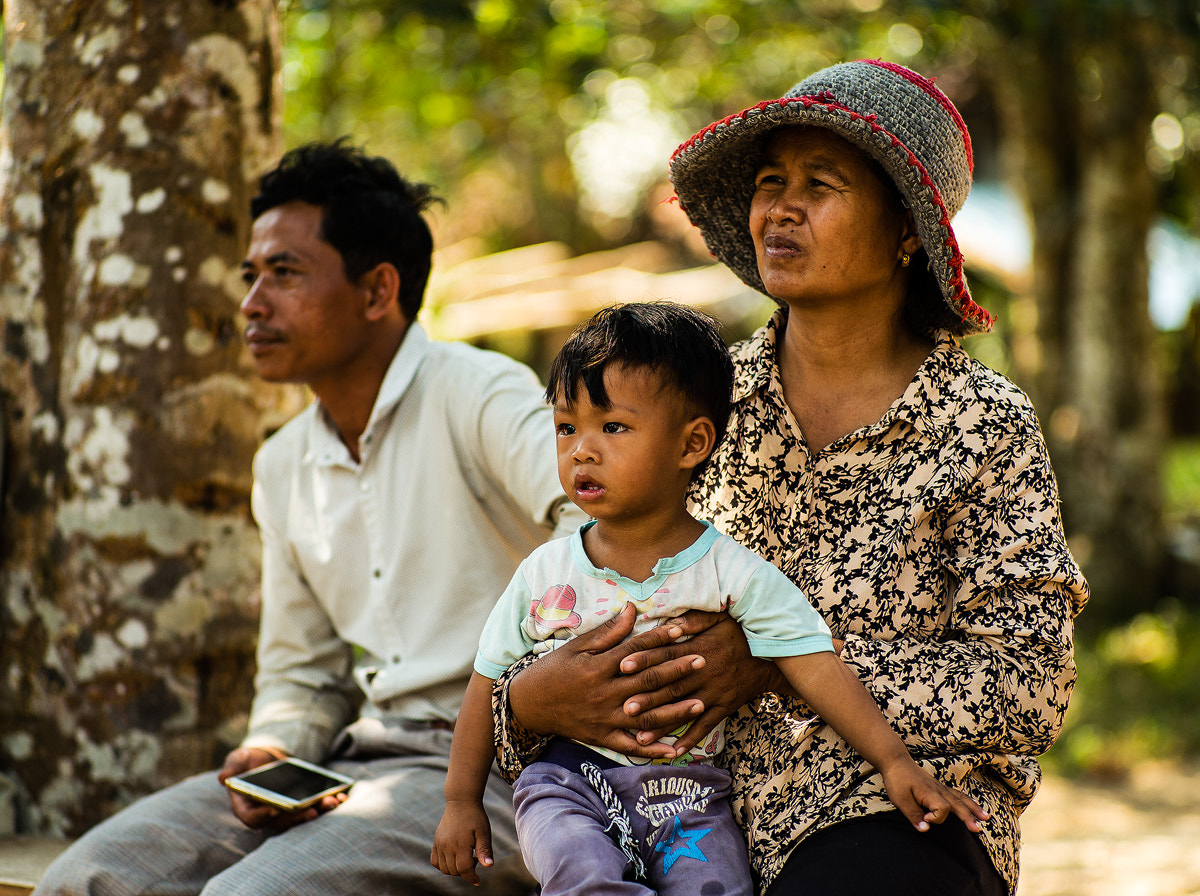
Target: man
[393,510]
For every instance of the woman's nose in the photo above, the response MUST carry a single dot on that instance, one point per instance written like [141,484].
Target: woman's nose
[786,207]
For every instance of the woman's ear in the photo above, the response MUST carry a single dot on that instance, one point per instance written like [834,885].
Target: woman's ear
[700,437]
[910,240]
[382,286]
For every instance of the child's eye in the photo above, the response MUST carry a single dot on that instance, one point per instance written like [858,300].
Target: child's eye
[564,429]
[613,426]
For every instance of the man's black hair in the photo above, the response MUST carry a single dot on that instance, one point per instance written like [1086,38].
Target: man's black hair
[371,214]
[681,345]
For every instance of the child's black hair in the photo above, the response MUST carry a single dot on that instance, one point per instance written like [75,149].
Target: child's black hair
[681,345]
[371,214]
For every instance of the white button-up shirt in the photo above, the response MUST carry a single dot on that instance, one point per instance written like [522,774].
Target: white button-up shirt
[378,575]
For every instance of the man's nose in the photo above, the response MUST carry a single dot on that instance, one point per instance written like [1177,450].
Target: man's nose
[254,305]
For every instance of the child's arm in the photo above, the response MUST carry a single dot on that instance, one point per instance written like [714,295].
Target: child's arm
[464,833]
[837,696]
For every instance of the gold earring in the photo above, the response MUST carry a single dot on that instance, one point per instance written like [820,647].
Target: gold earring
[904,259]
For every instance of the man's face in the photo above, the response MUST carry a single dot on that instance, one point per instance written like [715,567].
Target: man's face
[306,322]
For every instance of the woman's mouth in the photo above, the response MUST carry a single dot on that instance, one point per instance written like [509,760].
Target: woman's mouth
[779,246]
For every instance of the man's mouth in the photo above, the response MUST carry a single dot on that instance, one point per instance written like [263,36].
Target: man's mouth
[262,337]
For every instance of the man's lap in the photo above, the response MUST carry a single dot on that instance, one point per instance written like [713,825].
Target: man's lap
[184,840]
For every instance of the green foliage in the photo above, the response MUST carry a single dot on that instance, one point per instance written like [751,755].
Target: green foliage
[486,98]
[1138,695]
[1182,477]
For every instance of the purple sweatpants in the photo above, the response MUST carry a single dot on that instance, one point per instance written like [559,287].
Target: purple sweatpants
[679,822]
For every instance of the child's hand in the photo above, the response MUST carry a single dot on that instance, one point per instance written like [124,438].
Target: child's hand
[462,835]
[924,800]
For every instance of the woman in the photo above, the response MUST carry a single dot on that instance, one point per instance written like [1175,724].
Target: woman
[905,487]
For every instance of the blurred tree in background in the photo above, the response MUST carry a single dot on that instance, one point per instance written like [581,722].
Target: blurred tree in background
[554,121]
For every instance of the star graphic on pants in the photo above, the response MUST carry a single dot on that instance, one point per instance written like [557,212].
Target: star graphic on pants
[681,843]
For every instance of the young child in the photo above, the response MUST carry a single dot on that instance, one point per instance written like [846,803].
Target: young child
[641,397]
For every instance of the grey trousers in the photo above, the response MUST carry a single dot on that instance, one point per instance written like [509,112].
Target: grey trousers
[184,840]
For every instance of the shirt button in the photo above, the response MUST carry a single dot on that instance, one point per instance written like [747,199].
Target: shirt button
[378,573]
[396,658]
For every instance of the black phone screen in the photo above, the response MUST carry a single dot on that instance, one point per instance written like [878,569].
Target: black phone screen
[290,780]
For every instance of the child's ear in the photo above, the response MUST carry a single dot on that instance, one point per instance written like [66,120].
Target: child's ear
[700,437]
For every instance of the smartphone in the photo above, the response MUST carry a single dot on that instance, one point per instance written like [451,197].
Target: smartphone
[289,783]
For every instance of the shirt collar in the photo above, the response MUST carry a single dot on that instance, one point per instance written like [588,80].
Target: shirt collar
[929,403]
[327,446]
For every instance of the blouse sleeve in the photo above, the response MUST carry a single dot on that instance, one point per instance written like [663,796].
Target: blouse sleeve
[999,676]
[516,746]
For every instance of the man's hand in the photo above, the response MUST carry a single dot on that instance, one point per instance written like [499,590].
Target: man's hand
[259,815]
[599,685]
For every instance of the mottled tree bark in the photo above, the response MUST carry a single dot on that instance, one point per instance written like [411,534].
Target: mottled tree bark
[133,134]
[1077,118]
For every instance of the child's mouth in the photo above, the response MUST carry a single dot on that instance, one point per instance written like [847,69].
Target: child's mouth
[586,489]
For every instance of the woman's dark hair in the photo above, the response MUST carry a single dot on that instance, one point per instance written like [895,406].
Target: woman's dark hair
[681,345]
[925,309]
[371,214]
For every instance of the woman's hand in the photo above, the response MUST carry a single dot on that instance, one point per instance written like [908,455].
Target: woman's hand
[726,677]
[599,685]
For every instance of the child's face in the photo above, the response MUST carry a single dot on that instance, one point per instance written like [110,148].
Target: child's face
[626,461]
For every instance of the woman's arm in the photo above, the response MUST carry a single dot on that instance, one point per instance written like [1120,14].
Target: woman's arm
[1000,676]
[600,685]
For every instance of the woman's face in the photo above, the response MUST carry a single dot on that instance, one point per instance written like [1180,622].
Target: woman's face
[826,229]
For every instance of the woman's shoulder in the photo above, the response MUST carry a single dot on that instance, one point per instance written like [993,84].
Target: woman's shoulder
[966,387]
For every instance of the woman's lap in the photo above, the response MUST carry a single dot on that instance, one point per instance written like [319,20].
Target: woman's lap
[884,853]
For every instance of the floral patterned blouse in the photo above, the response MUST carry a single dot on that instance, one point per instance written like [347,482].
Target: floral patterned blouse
[932,544]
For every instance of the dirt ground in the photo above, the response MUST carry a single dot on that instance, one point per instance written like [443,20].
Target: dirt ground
[1138,837]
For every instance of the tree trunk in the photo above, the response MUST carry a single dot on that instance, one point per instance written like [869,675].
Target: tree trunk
[129,564]
[1077,127]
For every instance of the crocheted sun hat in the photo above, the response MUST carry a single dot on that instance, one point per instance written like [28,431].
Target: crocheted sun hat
[894,115]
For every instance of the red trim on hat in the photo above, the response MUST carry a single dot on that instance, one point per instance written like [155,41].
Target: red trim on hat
[967,306]
[944,101]
[701,134]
